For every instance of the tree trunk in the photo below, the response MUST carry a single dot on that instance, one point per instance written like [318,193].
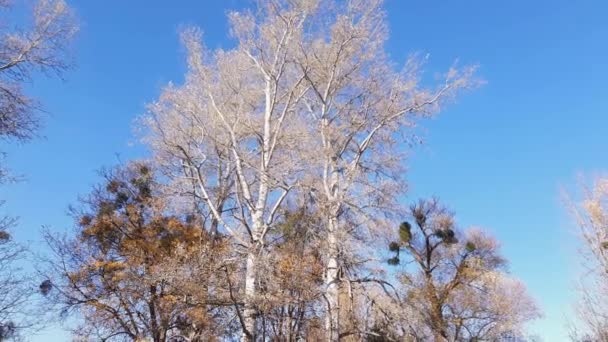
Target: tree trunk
[439,323]
[249,312]
[332,319]
[154,326]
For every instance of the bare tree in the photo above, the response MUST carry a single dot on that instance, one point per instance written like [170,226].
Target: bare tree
[591,214]
[16,291]
[25,51]
[228,136]
[306,104]
[360,112]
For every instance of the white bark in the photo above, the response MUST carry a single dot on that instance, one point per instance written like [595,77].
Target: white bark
[249,310]
[332,283]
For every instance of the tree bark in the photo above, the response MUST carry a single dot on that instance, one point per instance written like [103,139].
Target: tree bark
[249,311]
[332,280]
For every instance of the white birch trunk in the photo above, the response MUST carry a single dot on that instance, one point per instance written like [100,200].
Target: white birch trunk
[332,282]
[332,276]
[249,311]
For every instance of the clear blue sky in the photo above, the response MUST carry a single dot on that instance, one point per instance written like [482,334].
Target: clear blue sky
[497,157]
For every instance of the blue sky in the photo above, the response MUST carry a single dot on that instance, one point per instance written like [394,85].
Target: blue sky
[497,157]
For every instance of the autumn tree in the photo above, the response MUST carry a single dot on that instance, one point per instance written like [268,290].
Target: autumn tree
[455,285]
[129,268]
[291,303]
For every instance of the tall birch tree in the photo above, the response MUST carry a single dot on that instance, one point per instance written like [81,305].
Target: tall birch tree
[360,113]
[229,134]
[306,104]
